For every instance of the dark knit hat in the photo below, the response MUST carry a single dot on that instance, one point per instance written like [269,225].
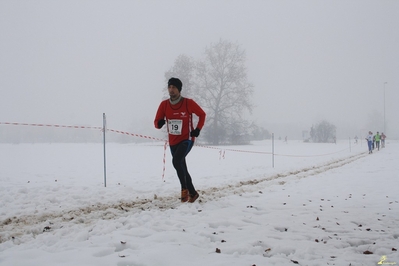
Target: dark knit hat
[175,82]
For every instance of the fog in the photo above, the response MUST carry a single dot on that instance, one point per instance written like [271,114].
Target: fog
[68,62]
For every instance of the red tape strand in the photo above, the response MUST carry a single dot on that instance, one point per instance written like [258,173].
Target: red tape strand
[221,154]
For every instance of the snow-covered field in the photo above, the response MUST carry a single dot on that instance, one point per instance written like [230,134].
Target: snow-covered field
[321,204]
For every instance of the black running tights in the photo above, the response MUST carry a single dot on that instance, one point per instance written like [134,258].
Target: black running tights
[179,153]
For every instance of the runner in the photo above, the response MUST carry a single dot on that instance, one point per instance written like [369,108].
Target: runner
[177,112]
[369,139]
[383,137]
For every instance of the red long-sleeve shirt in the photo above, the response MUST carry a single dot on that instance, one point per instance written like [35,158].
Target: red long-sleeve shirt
[179,119]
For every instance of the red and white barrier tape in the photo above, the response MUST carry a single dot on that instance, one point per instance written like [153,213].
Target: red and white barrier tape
[317,155]
[135,135]
[221,151]
[46,125]
[164,159]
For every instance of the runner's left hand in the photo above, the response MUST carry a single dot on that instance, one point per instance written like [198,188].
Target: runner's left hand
[195,132]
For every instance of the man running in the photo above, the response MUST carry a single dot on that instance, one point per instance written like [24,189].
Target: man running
[377,140]
[177,112]
[369,139]
[383,137]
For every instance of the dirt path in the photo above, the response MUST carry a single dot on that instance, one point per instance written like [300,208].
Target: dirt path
[15,227]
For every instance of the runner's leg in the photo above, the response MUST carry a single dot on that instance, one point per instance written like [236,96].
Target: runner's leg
[179,153]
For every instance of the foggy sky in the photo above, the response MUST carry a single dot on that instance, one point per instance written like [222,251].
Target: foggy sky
[67,62]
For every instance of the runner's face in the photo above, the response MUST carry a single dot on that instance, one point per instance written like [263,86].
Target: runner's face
[173,92]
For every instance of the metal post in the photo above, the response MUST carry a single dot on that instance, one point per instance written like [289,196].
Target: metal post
[350,144]
[105,164]
[384,107]
[273,150]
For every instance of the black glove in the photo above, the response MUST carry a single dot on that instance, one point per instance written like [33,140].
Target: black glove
[161,123]
[195,132]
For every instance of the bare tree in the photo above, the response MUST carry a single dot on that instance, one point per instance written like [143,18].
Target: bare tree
[259,133]
[219,84]
[184,69]
[223,90]
[323,132]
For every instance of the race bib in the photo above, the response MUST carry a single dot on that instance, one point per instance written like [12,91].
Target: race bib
[175,126]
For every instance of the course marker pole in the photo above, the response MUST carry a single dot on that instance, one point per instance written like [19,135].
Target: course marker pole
[105,164]
[273,150]
[350,146]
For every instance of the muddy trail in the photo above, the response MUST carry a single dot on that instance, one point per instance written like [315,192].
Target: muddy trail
[18,226]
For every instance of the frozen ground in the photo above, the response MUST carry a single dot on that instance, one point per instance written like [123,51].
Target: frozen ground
[321,204]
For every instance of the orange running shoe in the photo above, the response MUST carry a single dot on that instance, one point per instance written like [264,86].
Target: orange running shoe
[193,198]
[184,195]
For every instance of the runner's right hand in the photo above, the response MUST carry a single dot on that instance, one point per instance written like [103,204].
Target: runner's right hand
[161,123]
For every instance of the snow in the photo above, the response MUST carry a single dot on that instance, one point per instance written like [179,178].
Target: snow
[321,204]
